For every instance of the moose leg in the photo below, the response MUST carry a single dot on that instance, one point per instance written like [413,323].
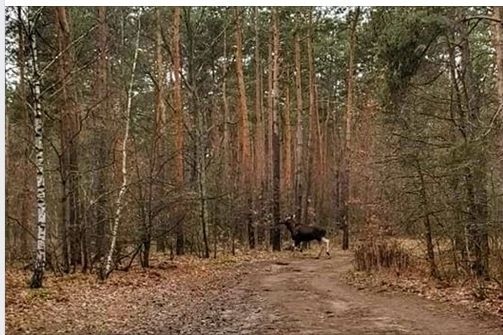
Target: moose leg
[327,243]
[324,243]
[297,245]
[321,248]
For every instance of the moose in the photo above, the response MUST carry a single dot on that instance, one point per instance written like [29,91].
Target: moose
[302,233]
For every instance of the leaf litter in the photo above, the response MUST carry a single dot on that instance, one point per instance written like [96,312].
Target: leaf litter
[140,301]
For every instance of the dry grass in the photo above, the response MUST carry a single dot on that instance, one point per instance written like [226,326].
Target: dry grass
[400,264]
[374,255]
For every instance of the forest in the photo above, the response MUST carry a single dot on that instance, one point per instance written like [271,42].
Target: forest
[142,140]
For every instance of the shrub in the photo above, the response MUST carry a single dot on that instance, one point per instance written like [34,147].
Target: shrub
[373,255]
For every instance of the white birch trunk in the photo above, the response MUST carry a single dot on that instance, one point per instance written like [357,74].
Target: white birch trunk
[122,191]
[38,272]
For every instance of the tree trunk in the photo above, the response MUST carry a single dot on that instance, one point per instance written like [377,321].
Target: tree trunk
[299,132]
[467,106]
[99,174]
[243,129]
[179,125]
[318,175]
[260,129]
[158,168]
[118,203]
[203,188]
[275,233]
[476,171]
[201,144]
[311,150]
[28,171]
[226,120]
[227,153]
[498,45]
[268,128]
[69,141]
[430,253]
[287,142]
[346,151]
[38,270]
[324,155]
[267,192]
[145,255]
[259,134]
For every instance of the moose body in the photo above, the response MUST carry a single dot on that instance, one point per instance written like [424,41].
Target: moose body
[302,233]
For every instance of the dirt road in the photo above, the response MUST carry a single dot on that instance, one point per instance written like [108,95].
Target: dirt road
[307,296]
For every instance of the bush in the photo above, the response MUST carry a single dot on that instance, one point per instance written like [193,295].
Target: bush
[373,255]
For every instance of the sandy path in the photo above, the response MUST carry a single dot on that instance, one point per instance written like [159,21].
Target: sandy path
[307,296]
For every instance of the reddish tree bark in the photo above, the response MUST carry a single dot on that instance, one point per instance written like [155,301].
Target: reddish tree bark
[178,119]
[71,229]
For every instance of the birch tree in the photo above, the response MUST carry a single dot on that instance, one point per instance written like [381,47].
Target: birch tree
[38,125]
[123,188]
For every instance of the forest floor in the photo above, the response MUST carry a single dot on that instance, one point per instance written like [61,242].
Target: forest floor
[255,294]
